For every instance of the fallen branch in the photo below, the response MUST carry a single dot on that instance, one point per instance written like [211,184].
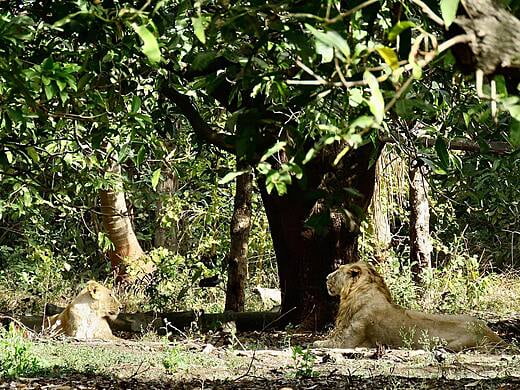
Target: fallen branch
[461,144]
[162,322]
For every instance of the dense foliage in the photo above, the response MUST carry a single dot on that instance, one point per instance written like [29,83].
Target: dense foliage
[168,88]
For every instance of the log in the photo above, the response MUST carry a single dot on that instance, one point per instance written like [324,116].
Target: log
[163,322]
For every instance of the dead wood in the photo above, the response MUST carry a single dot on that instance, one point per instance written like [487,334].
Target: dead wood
[173,322]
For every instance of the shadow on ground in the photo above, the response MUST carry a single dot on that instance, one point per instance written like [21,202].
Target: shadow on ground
[87,382]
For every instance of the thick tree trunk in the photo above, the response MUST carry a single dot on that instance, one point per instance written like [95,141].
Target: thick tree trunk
[420,243]
[127,254]
[315,228]
[239,229]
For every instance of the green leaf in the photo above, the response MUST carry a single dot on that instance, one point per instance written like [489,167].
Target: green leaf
[376,102]
[199,27]
[231,176]
[326,52]
[331,39]
[309,156]
[362,122]
[389,56]
[68,18]
[136,104]
[399,28]
[273,149]
[449,11]
[33,154]
[49,91]
[514,133]
[141,154]
[341,155]
[61,84]
[514,111]
[416,71]
[156,175]
[150,46]
[442,152]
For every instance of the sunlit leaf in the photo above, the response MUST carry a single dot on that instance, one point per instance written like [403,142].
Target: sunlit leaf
[331,39]
[309,156]
[199,27]
[449,11]
[514,111]
[231,176]
[376,102]
[150,46]
[273,149]
[388,54]
[399,28]
[156,175]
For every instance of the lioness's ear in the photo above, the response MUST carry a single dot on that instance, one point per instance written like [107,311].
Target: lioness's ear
[93,288]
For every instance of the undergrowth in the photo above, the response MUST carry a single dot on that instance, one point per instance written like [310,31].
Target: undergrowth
[16,356]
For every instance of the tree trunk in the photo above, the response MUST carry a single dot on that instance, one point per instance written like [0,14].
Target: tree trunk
[315,226]
[420,245]
[165,237]
[378,209]
[127,254]
[239,230]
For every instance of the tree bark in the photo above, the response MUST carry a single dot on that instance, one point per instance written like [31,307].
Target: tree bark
[495,36]
[239,229]
[307,250]
[420,243]
[379,215]
[127,253]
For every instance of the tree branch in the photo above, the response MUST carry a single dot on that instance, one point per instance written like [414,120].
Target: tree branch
[496,147]
[199,125]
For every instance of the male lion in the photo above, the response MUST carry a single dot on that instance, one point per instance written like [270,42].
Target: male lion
[367,317]
[86,316]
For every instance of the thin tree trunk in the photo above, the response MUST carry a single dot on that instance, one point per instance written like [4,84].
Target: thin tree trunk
[315,227]
[239,229]
[127,253]
[382,234]
[165,237]
[420,244]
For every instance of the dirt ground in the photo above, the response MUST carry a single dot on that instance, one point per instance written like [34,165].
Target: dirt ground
[267,360]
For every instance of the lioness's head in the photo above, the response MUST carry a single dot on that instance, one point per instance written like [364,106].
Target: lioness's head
[103,301]
[348,276]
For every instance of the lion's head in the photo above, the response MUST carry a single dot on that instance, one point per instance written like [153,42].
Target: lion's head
[101,300]
[348,278]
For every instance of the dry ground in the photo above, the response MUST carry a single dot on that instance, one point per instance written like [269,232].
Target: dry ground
[268,360]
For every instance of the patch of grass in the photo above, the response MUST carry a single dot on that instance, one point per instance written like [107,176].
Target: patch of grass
[16,356]
[93,359]
[178,359]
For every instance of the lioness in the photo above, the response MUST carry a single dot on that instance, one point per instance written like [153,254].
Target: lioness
[367,317]
[86,316]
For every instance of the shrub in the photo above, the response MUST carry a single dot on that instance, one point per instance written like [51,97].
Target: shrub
[16,357]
